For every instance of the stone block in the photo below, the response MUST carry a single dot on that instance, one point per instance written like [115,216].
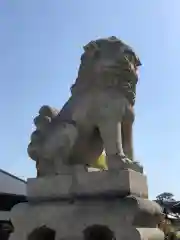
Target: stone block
[49,187]
[85,184]
[107,183]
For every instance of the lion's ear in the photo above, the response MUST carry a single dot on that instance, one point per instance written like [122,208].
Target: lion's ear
[91,48]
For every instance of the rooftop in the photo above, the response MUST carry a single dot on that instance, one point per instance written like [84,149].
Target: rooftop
[11,175]
[10,184]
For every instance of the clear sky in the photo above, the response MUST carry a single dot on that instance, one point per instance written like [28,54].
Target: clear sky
[40,46]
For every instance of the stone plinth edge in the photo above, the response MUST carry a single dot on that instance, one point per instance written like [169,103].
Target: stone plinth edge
[147,213]
[89,184]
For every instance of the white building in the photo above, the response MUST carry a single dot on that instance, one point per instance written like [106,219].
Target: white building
[12,191]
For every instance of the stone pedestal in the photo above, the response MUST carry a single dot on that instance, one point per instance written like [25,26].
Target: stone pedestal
[69,206]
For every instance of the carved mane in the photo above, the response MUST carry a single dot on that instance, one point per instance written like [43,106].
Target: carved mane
[107,63]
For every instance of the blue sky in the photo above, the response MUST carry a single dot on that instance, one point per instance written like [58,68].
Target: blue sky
[40,47]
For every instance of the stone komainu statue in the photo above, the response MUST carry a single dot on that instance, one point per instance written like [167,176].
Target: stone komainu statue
[98,115]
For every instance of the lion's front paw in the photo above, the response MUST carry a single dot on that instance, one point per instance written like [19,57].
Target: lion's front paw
[116,162]
[129,164]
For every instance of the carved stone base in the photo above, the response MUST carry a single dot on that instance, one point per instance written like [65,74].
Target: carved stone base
[128,218]
[69,206]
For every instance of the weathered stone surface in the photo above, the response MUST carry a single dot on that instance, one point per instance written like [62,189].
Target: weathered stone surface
[99,114]
[49,187]
[70,220]
[83,184]
[128,233]
[121,183]
[148,234]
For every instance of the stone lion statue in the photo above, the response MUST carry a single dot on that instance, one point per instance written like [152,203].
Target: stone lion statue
[98,116]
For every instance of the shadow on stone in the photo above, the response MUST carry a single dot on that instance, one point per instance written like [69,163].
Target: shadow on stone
[42,233]
[98,232]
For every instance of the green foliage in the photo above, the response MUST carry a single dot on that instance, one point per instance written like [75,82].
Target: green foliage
[165,196]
